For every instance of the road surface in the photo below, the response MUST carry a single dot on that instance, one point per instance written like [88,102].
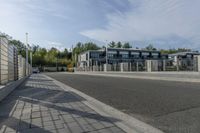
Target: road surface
[173,107]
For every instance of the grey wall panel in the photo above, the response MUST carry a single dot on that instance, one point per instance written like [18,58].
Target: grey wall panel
[3,60]
[10,62]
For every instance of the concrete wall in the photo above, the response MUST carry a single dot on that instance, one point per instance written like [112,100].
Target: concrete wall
[10,66]
[3,60]
[148,66]
[154,65]
[6,90]
[124,67]
[15,52]
[10,63]
[197,63]
[21,67]
[107,67]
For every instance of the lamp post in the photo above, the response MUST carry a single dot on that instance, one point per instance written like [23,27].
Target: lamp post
[106,56]
[31,59]
[26,54]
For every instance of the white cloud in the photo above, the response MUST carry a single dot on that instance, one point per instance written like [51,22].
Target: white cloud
[153,20]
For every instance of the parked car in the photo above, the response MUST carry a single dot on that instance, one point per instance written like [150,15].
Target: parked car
[36,70]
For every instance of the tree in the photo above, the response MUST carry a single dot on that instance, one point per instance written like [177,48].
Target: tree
[112,44]
[80,47]
[5,35]
[35,48]
[127,45]
[90,46]
[119,45]
[150,47]
[172,51]
[20,47]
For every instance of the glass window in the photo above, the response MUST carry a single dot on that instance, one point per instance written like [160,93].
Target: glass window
[94,55]
[145,53]
[154,55]
[124,55]
[110,55]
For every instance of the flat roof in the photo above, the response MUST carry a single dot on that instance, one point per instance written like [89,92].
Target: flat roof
[122,49]
[185,53]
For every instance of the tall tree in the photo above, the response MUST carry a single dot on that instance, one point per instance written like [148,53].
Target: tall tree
[112,44]
[119,45]
[127,45]
[150,47]
[20,46]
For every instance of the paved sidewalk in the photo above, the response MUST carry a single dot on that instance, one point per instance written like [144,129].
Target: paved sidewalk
[40,106]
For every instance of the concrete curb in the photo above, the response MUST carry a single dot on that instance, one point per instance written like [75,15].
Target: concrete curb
[128,123]
[144,77]
[7,89]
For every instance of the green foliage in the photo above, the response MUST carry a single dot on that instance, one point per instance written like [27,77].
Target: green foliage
[150,47]
[127,45]
[5,35]
[54,57]
[112,44]
[20,46]
[82,47]
[119,45]
[172,51]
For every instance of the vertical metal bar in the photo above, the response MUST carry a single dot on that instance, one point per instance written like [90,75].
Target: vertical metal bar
[26,54]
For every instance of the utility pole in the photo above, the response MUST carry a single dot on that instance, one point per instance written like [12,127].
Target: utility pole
[72,52]
[106,56]
[57,63]
[26,54]
[31,58]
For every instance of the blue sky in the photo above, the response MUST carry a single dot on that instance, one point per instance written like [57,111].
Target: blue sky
[63,23]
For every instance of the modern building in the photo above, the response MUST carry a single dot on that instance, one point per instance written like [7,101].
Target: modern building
[184,60]
[128,59]
[115,56]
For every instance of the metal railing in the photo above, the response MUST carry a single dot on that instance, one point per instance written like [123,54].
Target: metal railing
[147,65]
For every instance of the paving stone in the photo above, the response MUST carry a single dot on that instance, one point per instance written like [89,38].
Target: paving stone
[97,125]
[40,106]
[75,128]
[87,128]
[64,130]
[47,118]
[9,130]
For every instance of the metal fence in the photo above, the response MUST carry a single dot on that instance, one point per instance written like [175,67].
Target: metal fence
[12,65]
[192,64]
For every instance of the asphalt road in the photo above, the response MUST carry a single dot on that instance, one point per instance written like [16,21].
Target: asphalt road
[173,107]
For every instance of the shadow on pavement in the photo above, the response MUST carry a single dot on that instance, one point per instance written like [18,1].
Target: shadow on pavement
[43,93]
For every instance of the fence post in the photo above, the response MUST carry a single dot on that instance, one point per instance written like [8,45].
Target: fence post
[198,63]
[122,67]
[164,65]
[177,65]
[105,67]
[148,65]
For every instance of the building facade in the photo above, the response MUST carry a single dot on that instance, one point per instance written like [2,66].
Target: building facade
[184,60]
[131,58]
[120,59]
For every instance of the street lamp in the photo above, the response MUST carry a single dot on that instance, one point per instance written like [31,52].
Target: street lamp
[106,55]
[26,54]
